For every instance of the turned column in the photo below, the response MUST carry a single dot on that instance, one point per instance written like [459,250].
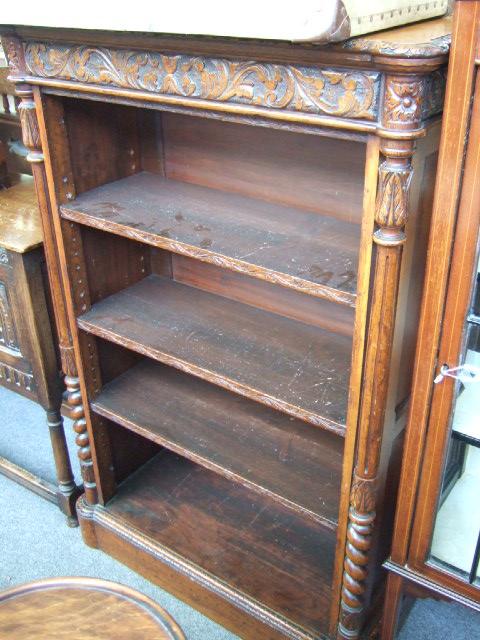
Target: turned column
[31,139]
[400,122]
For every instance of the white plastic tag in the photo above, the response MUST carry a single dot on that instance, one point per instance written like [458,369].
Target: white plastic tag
[466,373]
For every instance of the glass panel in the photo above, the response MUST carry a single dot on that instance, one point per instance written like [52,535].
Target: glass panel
[456,537]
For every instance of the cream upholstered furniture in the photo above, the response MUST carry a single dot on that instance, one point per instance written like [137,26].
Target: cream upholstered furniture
[317,21]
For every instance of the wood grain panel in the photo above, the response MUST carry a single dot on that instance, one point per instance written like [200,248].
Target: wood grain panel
[306,172]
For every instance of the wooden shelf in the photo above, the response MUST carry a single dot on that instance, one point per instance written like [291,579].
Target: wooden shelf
[295,248]
[242,440]
[287,365]
[246,541]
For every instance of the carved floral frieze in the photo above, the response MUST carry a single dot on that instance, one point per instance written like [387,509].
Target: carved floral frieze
[342,93]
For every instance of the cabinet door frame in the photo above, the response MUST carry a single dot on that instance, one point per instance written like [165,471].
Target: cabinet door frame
[463,268]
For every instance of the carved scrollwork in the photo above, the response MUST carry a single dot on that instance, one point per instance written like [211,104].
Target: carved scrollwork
[434,93]
[352,94]
[13,51]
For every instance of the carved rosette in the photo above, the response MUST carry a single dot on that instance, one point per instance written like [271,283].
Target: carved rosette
[315,90]
[403,102]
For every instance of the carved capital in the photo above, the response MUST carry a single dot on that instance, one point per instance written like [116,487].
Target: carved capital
[69,365]
[391,211]
[363,496]
[29,122]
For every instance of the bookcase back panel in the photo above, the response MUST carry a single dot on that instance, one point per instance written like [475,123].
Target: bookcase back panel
[293,169]
[286,302]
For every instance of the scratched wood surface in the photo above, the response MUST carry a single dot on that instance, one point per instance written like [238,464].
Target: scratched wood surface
[257,546]
[299,249]
[285,364]
[242,440]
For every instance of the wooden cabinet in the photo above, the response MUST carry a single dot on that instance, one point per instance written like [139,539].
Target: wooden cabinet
[448,338]
[241,228]
[28,357]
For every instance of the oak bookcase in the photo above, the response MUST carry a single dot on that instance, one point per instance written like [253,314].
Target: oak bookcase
[230,218]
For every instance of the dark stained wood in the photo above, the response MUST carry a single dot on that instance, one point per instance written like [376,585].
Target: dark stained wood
[105,147]
[387,91]
[241,440]
[287,302]
[257,546]
[56,608]
[276,166]
[29,362]
[303,250]
[288,365]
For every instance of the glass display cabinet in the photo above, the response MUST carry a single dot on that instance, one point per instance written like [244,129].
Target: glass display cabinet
[436,546]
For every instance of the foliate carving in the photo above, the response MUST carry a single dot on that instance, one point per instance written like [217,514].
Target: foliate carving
[77,414]
[29,122]
[362,495]
[359,532]
[14,377]
[434,93]
[392,197]
[403,101]
[352,94]
[8,334]
[67,356]
[436,47]
[14,52]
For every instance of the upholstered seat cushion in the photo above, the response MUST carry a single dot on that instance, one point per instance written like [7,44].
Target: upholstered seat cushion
[319,21]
